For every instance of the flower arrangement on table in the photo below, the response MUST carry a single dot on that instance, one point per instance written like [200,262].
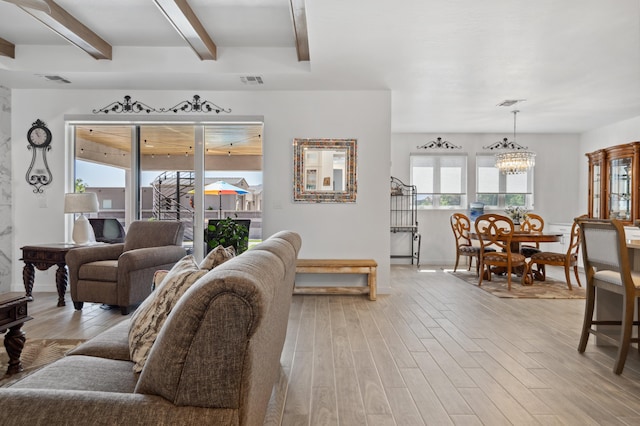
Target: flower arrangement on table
[516,213]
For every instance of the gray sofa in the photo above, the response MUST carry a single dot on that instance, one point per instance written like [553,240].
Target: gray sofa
[215,360]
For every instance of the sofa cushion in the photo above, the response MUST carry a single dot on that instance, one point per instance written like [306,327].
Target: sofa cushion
[148,319]
[80,372]
[101,270]
[112,343]
[217,256]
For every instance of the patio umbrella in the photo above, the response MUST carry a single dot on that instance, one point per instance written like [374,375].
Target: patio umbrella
[221,188]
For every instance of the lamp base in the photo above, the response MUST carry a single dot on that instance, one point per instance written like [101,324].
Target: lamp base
[82,231]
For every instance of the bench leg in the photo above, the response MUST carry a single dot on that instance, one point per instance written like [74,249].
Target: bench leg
[372,283]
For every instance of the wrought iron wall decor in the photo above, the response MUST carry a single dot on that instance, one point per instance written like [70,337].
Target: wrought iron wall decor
[38,173]
[504,144]
[125,107]
[129,106]
[439,144]
[196,106]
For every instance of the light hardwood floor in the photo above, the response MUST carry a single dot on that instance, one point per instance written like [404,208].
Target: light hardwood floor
[437,351]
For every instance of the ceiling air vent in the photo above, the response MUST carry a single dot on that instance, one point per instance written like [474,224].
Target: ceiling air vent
[57,79]
[510,102]
[251,79]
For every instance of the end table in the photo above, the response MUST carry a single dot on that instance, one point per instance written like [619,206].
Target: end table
[13,313]
[43,256]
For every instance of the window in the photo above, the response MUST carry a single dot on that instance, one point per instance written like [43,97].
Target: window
[440,180]
[497,190]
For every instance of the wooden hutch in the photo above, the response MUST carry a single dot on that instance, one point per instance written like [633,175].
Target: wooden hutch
[614,182]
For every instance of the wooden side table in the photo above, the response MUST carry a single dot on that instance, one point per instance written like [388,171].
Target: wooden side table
[13,313]
[44,256]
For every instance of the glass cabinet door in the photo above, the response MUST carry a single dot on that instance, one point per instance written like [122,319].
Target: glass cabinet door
[596,190]
[620,188]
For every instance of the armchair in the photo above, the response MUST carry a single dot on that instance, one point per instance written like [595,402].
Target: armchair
[121,274]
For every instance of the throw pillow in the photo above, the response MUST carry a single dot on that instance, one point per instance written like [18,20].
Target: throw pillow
[150,316]
[158,277]
[217,256]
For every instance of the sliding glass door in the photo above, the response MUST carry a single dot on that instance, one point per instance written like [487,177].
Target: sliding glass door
[158,171]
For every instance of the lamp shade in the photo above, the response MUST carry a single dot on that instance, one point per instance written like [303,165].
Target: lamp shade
[80,202]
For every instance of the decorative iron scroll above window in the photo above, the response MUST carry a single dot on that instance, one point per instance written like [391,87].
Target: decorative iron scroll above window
[439,144]
[125,107]
[196,106]
[129,106]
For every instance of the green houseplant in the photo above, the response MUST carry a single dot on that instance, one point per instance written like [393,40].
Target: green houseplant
[228,232]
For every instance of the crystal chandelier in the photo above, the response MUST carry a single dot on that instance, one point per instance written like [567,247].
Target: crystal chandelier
[517,160]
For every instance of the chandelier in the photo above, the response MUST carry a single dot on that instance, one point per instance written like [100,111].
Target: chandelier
[517,160]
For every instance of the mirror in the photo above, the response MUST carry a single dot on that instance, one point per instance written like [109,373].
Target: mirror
[324,170]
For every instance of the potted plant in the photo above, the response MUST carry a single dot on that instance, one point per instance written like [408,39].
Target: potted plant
[228,232]
[517,214]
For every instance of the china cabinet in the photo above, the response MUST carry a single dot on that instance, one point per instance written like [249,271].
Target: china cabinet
[614,182]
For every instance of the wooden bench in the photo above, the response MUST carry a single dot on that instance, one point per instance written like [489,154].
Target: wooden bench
[338,266]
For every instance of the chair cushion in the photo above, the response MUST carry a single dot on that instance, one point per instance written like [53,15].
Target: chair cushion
[474,250]
[150,316]
[501,257]
[217,256]
[469,249]
[548,257]
[100,270]
[613,277]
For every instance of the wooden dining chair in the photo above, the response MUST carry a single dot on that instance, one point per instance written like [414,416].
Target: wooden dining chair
[497,230]
[568,260]
[532,223]
[606,265]
[461,226]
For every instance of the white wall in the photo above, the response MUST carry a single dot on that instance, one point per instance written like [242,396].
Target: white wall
[556,181]
[6,229]
[358,230]
[615,134]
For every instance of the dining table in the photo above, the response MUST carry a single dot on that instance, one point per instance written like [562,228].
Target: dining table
[520,237]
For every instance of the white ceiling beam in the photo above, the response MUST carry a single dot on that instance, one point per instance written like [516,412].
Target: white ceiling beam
[185,21]
[7,48]
[299,15]
[63,23]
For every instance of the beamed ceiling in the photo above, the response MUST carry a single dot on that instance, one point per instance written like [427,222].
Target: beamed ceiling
[446,64]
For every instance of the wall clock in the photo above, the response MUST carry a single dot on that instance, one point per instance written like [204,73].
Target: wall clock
[38,173]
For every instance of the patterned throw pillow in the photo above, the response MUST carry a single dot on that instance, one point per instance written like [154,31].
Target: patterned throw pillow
[217,256]
[148,319]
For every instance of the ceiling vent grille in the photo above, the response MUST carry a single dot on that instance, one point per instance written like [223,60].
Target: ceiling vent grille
[510,102]
[57,79]
[252,79]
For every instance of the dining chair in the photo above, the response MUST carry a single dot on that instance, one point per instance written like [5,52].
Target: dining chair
[532,223]
[461,226]
[568,260]
[497,231]
[606,265]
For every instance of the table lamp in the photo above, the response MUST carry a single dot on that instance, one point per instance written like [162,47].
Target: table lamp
[81,202]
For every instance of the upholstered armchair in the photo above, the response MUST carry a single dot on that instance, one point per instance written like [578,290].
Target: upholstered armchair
[121,274]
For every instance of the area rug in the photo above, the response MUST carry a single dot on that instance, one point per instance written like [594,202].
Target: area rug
[548,289]
[36,354]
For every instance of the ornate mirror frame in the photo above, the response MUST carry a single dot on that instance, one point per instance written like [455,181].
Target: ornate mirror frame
[303,192]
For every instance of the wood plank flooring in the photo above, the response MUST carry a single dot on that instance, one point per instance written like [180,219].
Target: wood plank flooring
[437,351]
